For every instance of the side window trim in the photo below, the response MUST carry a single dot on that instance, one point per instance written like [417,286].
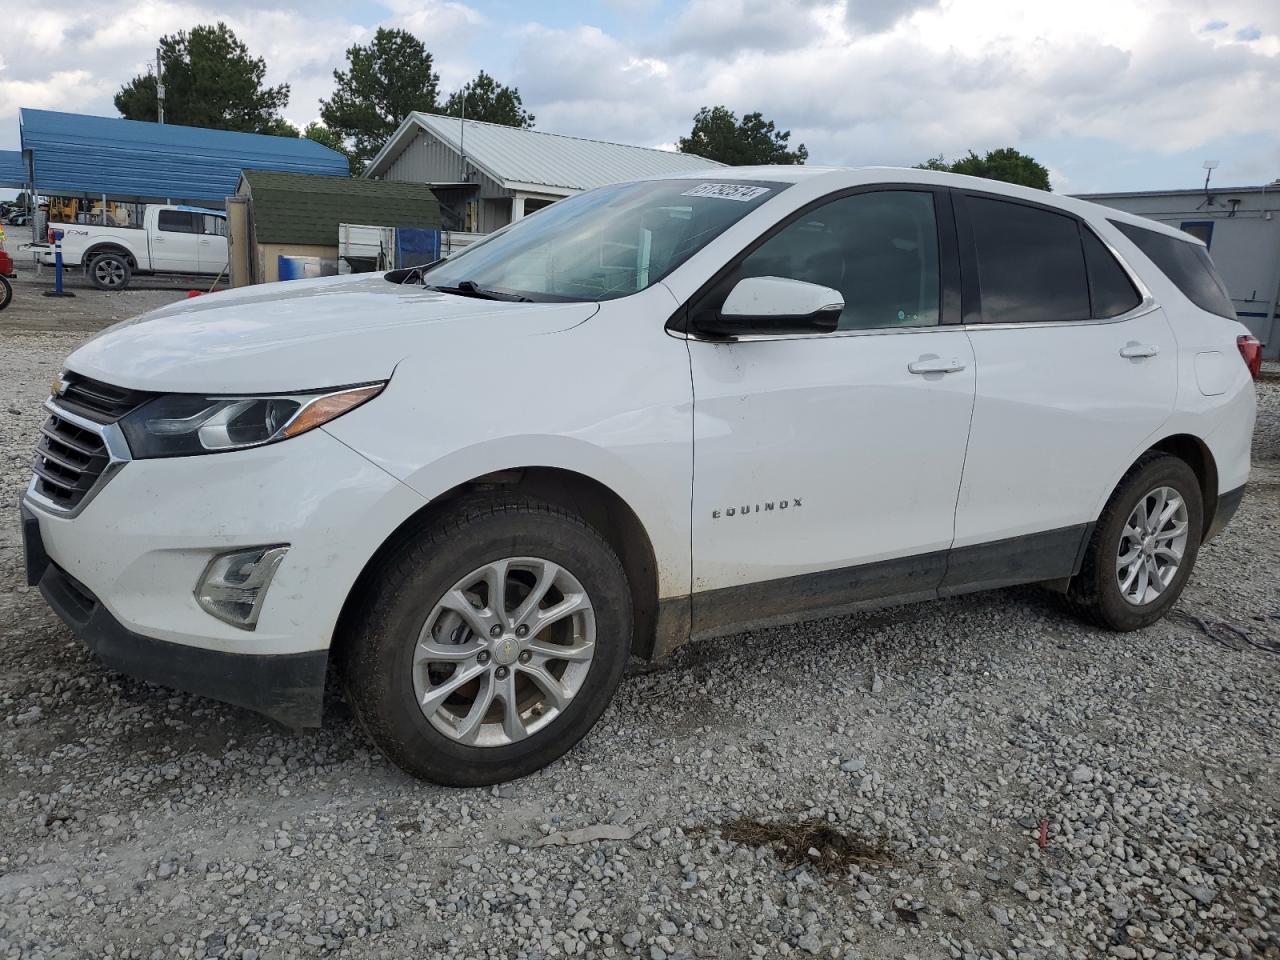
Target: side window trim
[680,322]
[968,260]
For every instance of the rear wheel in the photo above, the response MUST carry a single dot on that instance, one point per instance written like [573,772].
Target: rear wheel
[109,271]
[6,293]
[489,644]
[1144,546]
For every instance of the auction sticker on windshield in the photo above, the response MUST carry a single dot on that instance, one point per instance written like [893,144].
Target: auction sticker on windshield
[726,191]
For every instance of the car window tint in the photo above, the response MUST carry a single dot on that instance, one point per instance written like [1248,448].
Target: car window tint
[1030,263]
[1187,264]
[879,250]
[176,221]
[1112,291]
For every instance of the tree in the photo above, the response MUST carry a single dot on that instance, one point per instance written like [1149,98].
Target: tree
[384,82]
[1005,164]
[719,135]
[210,80]
[329,138]
[491,102]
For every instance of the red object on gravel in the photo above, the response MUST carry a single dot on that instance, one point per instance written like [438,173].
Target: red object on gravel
[6,264]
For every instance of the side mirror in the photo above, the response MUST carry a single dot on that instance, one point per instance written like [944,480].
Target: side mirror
[776,305]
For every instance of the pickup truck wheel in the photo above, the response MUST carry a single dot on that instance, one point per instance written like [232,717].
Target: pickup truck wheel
[6,293]
[1143,547]
[490,643]
[109,271]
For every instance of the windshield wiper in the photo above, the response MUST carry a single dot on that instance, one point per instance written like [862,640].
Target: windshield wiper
[469,288]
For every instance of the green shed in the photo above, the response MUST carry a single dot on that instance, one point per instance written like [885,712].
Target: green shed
[297,215]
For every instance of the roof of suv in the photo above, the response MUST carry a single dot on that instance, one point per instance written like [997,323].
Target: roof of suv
[855,176]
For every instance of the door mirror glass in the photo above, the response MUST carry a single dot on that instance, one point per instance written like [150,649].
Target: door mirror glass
[776,305]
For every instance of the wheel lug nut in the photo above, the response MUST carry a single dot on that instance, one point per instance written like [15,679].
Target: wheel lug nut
[502,673]
[522,631]
[526,656]
[495,630]
[482,656]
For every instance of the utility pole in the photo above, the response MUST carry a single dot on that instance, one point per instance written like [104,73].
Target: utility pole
[159,89]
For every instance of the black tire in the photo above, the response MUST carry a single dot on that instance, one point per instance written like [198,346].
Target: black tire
[1095,593]
[109,271]
[383,634]
[6,293]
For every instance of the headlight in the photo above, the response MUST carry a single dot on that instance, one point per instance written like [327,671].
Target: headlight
[183,424]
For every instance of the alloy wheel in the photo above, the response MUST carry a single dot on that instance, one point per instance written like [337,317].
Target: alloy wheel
[504,651]
[1152,546]
[110,273]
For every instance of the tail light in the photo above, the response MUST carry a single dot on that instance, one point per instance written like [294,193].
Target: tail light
[48,235]
[1251,350]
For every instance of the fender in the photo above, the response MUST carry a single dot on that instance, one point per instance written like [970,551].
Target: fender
[658,509]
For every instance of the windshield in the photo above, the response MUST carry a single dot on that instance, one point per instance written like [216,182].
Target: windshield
[607,243]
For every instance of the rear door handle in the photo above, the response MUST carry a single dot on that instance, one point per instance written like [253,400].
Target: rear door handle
[935,365]
[1133,350]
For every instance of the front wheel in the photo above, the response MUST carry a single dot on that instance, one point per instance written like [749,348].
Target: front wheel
[490,643]
[1143,547]
[6,293]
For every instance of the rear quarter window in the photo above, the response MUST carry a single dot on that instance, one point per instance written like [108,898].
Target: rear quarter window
[1185,263]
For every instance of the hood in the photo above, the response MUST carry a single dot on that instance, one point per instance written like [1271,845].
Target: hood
[307,334]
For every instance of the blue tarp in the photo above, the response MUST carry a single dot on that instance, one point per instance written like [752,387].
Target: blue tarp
[13,169]
[80,155]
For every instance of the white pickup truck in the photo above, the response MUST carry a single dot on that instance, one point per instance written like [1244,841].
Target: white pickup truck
[172,239]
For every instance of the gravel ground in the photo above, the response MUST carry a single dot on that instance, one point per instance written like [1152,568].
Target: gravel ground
[90,309]
[863,787]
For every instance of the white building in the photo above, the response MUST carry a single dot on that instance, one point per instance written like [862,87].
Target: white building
[487,174]
[1241,226]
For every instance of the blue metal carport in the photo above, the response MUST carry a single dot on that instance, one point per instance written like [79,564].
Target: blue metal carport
[75,155]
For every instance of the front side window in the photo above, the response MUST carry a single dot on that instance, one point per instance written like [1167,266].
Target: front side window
[1030,263]
[878,249]
[212,225]
[610,242]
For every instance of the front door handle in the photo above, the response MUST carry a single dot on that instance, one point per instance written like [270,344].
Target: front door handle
[931,364]
[1134,350]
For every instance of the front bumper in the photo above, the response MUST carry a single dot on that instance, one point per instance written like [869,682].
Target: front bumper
[122,572]
[287,687]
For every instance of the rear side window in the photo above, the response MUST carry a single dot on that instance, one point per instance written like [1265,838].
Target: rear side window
[1187,264]
[1030,263]
[1110,288]
[176,221]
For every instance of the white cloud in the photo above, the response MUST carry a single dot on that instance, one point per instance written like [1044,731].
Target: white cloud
[857,81]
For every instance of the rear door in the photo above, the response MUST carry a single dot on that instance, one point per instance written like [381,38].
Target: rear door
[1076,369]
[826,465]
[175,242]
[213,242]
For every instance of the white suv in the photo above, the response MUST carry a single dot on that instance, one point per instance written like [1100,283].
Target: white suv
[649,413]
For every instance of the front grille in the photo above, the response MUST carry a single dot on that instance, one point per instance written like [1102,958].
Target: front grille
[69,461]
[98,401]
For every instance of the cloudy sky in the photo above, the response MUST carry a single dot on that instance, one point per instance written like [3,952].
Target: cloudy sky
[1109,94]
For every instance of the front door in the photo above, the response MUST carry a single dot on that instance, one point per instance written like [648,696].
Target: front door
[213,243]
[1076,372]
[175,244]
[826,466]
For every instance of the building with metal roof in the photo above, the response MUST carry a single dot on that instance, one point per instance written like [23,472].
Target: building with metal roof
[504,172]
[1241,228]
[76,155]
[13,170]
